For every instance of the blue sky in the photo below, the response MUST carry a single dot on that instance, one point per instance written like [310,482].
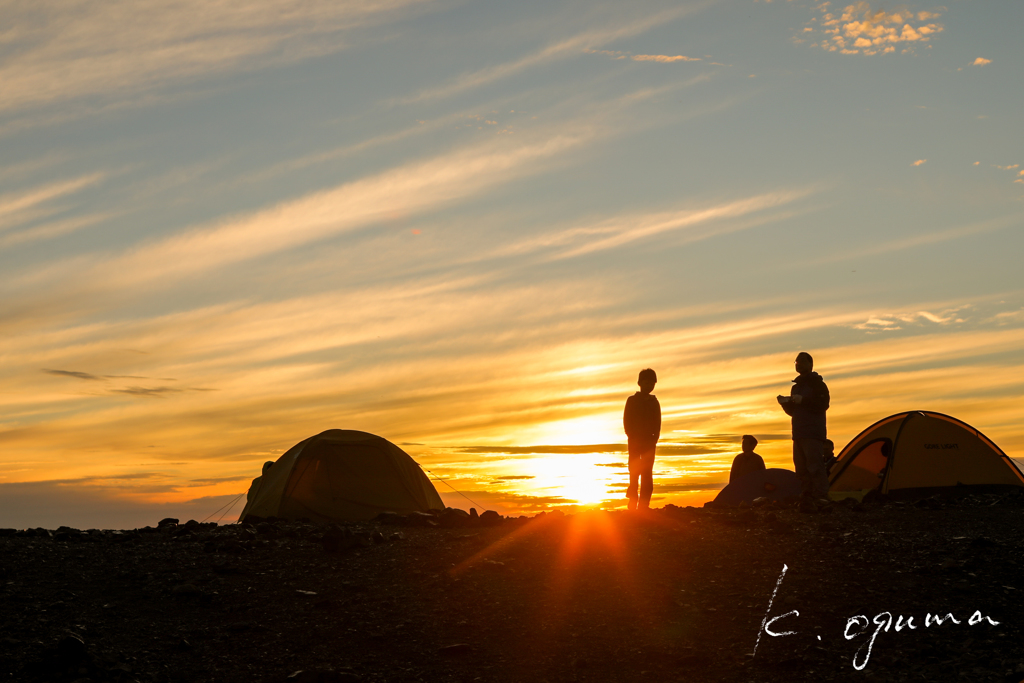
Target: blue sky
[457,224]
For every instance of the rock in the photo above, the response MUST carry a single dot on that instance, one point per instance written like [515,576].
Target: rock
[417,518]
[490,518]
[8,532]
[473,515]
[390,519]
[322,676]
[167,522]
[455,650]
[239,626]
[453,518]
[70,650]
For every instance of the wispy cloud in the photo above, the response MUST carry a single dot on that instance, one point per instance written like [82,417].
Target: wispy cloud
[57,51]
[927,238]
[981,61]
[920,162]
[665,59]
[18,207]
[152,392]
[401,192]
[616,232]
[77,374]
[46,231]
[563,49]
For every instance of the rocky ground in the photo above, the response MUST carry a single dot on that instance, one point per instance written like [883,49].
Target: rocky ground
[677,594]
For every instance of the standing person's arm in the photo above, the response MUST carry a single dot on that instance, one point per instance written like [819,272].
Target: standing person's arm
[786,401]
[657,423]
[627,417]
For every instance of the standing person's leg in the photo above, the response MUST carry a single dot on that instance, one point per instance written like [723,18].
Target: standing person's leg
[646,479]
[809,458]
[801,469]
[634,474]
[814,454]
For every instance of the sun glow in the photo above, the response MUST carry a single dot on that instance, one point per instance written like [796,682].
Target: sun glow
[592,429]
[577,477]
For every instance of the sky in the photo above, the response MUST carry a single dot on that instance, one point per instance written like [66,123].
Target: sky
[466,226]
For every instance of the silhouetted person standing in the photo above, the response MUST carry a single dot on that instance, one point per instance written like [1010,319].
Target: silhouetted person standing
[642,422]
[806,404]
[746,462]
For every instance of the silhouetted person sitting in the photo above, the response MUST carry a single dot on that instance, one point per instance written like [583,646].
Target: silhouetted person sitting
[642,422]
[746,462]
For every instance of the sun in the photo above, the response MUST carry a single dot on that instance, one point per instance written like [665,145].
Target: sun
[577,477]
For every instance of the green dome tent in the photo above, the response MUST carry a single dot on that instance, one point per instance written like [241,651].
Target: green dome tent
[341,475]
[920,453]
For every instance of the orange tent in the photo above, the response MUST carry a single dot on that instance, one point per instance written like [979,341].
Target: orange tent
[920,453]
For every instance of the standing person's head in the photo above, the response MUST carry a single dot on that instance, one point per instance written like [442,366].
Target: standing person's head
[748,443]
[804,363]
[647,379]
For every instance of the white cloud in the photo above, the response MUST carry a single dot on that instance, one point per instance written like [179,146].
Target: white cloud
[859,29]
[897,321]
[981,61]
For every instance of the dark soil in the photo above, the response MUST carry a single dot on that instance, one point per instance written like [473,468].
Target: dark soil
[679,594]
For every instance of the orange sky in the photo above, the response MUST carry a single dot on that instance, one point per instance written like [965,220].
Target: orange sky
[466,226]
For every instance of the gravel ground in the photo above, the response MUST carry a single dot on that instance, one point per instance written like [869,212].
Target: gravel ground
[677,594]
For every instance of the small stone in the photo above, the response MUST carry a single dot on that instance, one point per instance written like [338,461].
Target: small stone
[321,676]
[337,539]
[455,650]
